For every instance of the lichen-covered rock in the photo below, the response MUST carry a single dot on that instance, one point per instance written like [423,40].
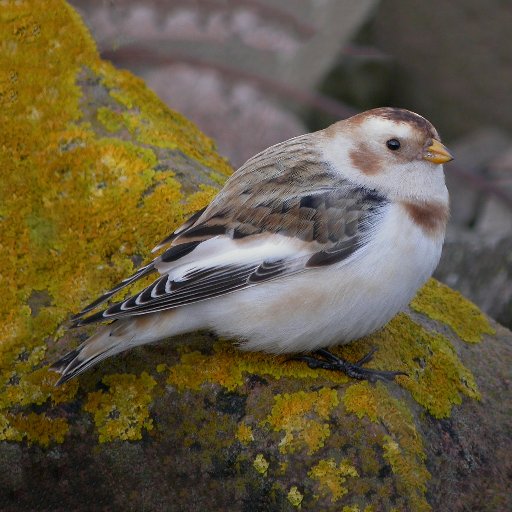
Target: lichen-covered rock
[95,170]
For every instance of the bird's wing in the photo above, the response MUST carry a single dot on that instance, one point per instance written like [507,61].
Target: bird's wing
[284,211]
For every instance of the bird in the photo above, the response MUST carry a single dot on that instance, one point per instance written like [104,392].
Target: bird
[314,242]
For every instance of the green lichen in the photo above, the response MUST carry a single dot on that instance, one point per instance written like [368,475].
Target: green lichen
[331,477]
[294,496]
[123,411]
[113,121]
[261,464]
[445,305]
[402,447]
[303,417]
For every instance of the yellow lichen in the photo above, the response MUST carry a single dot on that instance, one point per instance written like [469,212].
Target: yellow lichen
[261,464]
[146,118]
[22,386]
[355,508]
[445,305]
[437,379]
[294,496]
[113,121]
[402,447]
[65,239]
[227,366]
[33,428]
[63,235]
[123,411]
[361,400]
[331,477]
[244,433]
[295,413]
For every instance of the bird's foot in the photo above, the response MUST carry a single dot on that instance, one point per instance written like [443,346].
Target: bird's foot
[355,370]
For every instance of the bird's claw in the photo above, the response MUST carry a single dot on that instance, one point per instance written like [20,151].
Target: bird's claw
[355,370]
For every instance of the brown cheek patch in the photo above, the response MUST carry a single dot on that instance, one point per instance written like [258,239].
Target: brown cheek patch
[430,217]
[365,160]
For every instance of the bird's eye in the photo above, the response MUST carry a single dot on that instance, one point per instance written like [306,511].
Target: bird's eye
[393,144]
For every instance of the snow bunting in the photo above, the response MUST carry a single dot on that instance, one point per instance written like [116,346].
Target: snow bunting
[314,242]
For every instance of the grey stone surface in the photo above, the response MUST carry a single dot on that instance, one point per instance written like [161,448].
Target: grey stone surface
[481,269]
[474,152]
[243,119]
[274,38]
[222,63]
[495,218]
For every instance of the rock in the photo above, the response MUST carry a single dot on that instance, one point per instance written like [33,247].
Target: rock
[481,268]
[267,38]
[363,81]
[95,169]
[495,219]
[476,255]
[473,153]
[243,119]
[236,69]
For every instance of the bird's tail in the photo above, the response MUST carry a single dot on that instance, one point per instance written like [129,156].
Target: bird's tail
[109,340]
[123,334]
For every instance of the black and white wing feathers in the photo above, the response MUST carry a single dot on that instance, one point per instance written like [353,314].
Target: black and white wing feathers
[283,192]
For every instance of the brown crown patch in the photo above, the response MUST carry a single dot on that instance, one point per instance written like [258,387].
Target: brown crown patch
[430,217]
[399,115]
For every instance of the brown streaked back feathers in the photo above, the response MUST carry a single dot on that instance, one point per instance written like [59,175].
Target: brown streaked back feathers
[286,190]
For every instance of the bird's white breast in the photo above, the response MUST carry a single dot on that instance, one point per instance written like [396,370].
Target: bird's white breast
[333,304]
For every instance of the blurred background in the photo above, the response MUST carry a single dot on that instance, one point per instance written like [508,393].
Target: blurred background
[251,73]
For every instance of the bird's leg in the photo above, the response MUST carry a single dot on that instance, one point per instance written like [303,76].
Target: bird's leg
[355,370]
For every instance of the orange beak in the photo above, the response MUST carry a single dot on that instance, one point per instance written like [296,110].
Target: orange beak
[437,153]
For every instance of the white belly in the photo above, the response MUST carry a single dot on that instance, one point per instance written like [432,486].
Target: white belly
[334,304]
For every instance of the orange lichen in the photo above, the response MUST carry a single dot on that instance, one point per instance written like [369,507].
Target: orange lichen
[38,428]
[33,428]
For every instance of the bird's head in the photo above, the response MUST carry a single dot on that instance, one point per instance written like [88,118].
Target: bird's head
[393,151]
